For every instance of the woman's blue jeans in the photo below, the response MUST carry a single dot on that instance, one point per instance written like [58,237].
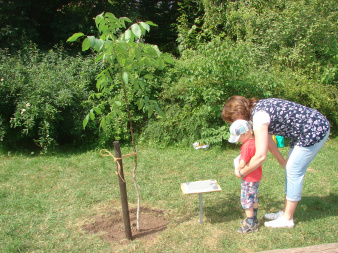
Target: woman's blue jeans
[298,162]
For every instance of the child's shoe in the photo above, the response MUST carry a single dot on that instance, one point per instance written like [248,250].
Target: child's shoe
[281,222]
[248,227]
[273,216]
[256,221]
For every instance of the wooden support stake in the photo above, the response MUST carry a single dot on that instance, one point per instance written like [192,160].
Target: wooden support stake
[123,192]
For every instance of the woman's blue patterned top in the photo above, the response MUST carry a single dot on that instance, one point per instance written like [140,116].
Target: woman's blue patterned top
[303,125]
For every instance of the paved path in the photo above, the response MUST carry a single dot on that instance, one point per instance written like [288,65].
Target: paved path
[323,248]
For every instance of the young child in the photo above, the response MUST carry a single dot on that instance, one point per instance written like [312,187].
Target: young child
[241,131]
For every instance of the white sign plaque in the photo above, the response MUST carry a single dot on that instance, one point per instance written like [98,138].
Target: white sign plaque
[200,187]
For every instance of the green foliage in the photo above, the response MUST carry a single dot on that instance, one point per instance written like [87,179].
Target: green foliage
[128,61]
[196,88]
[42,96]
[312,93]
[189,24]
[163,13]
[301,35]
[290,49]
[285,49]
[53,21]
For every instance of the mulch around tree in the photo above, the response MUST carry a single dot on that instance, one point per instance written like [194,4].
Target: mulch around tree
[110,225]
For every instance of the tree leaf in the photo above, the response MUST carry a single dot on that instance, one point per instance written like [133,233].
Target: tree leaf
[111,17]
[100,56]
[74,37]
[145,26]
[125,77]
[91,114]
[136,30]
[150,111]
[98,19]
[146,101]
[127,35]
[92,41]
[103,123]
[155,47]
[98,44]
[85,121]
[158,110]
[140,103]
[123,20]
[85,44]
[161,63]
[151,23]
[148,76]
[168,59]
[97,110]
[142,83]
[136,86]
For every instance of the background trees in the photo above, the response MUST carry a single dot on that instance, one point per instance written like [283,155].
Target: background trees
[286,49]
[50,22]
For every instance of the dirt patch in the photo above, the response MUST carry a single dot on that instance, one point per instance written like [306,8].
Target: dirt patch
[111,227]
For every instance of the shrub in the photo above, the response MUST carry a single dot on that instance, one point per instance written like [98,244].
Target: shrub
[195,90]
[44,96]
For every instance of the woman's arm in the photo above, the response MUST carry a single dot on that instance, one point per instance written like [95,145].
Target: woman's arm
[241,164]
[275,151]
[239,168]
[261,144]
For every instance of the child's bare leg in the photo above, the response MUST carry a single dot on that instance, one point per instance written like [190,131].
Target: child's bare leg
[249,213]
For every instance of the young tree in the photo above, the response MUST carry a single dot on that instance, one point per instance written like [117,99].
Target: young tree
[125,54]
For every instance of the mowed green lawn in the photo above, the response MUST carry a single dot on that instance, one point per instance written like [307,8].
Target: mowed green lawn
[46,200]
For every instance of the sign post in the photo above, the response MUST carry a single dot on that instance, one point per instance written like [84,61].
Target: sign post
[200,187]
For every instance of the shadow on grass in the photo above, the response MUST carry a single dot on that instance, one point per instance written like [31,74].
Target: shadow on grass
[313,207]
[30,149]
[228,208]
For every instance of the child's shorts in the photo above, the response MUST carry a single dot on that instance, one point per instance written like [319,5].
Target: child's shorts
[249,194]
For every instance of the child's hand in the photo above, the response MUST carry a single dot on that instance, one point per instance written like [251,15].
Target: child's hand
[237,174]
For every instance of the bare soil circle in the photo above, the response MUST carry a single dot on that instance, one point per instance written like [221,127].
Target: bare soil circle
[110,225]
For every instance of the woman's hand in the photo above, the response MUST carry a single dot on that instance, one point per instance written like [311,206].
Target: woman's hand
[283,163]
[275,151]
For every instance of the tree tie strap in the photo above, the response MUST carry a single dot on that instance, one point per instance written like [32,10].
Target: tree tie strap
[116,159]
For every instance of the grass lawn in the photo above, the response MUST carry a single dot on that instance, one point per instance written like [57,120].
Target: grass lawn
[46,200]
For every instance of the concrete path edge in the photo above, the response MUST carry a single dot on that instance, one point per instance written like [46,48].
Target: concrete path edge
[323,248]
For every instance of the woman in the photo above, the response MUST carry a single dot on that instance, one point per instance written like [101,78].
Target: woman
[307,129]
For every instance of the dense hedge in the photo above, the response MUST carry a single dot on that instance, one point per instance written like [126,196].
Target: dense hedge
[195,90]
[43,97]
[286,49]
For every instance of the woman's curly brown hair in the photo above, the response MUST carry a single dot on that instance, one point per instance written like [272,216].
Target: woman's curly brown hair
[238,107]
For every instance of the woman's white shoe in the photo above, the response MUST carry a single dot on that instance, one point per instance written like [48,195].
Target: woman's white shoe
[273,216]
[281,222]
